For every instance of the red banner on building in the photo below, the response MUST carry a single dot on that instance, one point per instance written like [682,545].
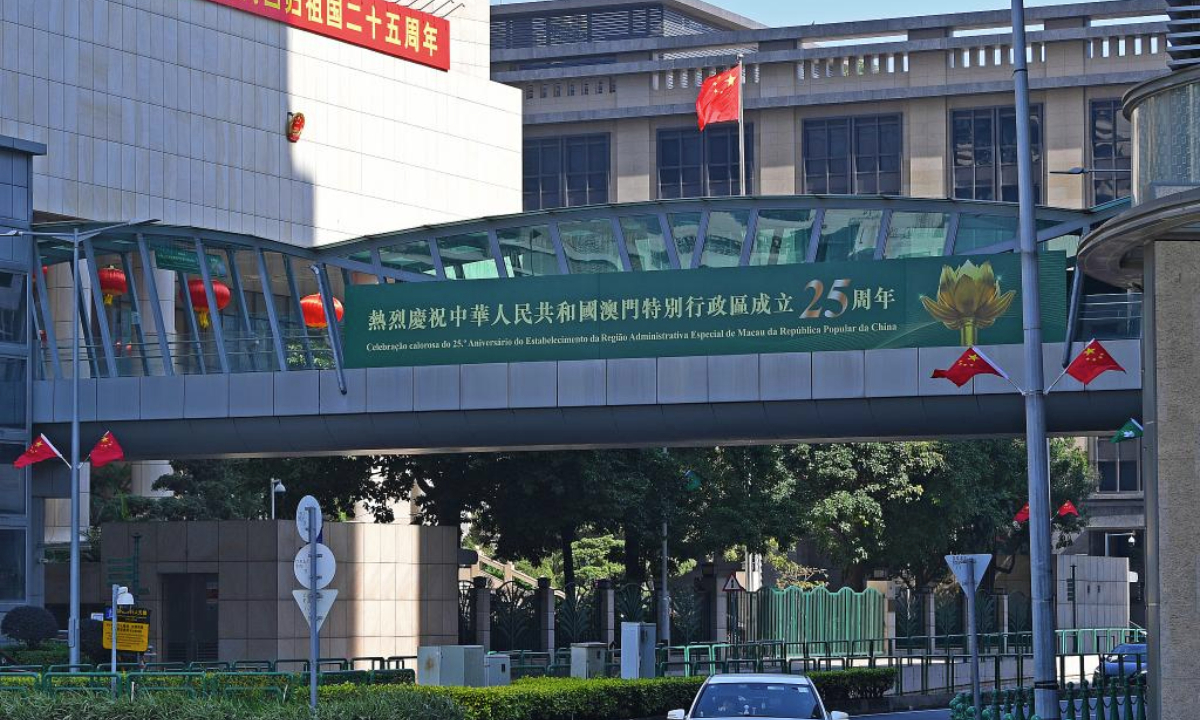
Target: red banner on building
[379,25]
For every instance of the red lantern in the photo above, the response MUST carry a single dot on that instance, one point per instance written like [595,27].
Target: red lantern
[112,283]
[295,127]
[314,311]
[200,299]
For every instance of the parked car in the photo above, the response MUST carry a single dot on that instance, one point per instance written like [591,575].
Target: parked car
[743,695]
[1127,661]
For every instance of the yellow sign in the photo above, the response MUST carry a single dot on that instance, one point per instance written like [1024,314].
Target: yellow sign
[131,636]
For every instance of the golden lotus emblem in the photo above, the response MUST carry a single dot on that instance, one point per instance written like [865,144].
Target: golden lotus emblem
[968,300]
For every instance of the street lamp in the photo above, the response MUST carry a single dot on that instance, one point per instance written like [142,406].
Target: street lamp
[75,237]
[277,488]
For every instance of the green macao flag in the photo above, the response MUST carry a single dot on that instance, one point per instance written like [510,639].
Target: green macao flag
[1129,431]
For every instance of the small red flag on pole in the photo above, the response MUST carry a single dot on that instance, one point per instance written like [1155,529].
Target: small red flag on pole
[971,363]
[1093,362]
[720,98]
[107,450]
[41,449]
[1068,508]
[1022,514]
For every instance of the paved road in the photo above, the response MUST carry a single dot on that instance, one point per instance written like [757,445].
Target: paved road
[943,714]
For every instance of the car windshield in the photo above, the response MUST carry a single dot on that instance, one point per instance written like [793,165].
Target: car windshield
[758,699]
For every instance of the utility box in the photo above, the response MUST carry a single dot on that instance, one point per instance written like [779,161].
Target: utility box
[497,670]
[588,660]
[637,650]
[460,665]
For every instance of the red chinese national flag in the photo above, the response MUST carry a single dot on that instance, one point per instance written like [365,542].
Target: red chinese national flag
[720,98]
[972,363]
[1022,514]
[106,451]
[1068,508]
[41,449]
[1093,362]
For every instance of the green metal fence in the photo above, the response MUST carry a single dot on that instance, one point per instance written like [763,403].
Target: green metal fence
[794,615]
[1118,699]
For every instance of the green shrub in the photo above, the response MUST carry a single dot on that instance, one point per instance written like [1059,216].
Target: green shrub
[52,654]
[30,625]
[838,686]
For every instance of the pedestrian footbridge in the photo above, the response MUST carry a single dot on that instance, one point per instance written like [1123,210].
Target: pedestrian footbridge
[206,344]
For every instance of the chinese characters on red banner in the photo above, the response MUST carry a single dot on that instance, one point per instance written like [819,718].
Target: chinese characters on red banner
[379,25]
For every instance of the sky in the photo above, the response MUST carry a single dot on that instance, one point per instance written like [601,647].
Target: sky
[805,12]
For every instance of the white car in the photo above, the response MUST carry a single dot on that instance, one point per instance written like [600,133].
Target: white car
[743,695]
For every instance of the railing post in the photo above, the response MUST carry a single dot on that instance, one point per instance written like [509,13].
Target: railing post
[931,621]
[606,603]
[483,612]
[1003,623]
[545,614]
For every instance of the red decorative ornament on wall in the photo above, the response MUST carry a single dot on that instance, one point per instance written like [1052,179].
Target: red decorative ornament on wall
[295,127]
[112,283]
[314,311]
[221,294]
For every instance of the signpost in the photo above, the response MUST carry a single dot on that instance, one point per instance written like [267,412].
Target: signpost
[969,570]
[132,632]
[314,567]
[184,261]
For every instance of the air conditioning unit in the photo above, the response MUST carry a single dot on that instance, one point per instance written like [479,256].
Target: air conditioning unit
[637,650]
[497,670]
[588,660]
[460,665]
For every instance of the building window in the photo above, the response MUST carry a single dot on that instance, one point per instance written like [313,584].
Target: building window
[696,164]
[1112,153]
[12,565]
[984,145]
[566,171]
[1118,465]
[853,156]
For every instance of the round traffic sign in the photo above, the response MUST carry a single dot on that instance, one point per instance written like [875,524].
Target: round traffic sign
[326,566]
[302,520]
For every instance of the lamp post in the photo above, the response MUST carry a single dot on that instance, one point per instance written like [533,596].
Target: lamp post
[1045,683]
[75,237]
[277,488]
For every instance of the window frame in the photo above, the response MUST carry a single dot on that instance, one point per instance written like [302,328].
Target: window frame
[1120,170]
[704,168]
[1120,457]
[852,126]
[563,174]
[995,115]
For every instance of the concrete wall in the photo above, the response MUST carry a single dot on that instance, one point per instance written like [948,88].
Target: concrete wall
[175,109]
[397,584]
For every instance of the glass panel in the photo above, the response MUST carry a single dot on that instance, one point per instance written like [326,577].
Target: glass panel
[724,238]
[591,247]
[1108,476]
[528,251]
[644,241]
[980,231]
[12,392]
[12,481]
[467,257]
[685,228]
[782,237]
[12,565]
[849,235]
[411,255]
[1063,243]
[916,235]
[12,308]
[1128,475]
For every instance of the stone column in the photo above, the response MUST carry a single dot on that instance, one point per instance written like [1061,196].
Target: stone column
[483,612]
[545,614]
[718,623]
[606,599]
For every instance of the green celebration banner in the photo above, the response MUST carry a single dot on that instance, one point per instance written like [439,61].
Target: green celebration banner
[927,302]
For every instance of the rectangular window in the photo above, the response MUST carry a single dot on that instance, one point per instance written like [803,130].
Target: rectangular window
[12,481]
[1118,466]
[645,242]
[12,565]
[984,147]
[566,171]
[702,164]
[853,156]
[1112,152]
[467,257]
[12,392]
[12,308]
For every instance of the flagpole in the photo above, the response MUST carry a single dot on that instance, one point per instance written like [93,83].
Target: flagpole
[742,121]
[73,613]
[1045,677]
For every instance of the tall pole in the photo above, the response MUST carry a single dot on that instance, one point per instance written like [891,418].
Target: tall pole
[742,121]
[314,638]
[1045,687]
[973,641]
[664,603]
[73,619]
[272,498]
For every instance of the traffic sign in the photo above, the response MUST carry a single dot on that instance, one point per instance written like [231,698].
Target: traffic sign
[732,584]
[325,600]
[306,502]
[326,566]
[133,630]
[969,569]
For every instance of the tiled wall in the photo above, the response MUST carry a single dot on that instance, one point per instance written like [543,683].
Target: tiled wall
[175,109]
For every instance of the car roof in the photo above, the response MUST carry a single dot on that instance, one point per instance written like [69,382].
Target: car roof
[778,678]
